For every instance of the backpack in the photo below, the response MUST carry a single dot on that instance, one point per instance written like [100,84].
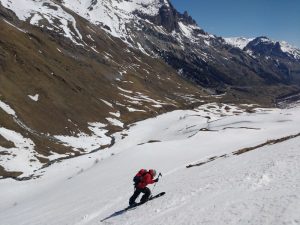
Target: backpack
[139,176]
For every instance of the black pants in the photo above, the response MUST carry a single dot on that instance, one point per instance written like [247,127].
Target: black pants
[136,194]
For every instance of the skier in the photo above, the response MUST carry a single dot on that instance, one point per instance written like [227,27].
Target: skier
[142,179]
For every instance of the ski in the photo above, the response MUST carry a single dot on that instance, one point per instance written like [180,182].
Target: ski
[157,196]
[118,213]
[150,198]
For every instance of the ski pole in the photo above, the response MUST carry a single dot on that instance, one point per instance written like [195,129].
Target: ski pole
[159,175]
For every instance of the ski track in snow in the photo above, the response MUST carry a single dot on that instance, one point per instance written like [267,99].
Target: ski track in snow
[258,187]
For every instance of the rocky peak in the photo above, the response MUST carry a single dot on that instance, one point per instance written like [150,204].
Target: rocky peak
[188,19]
[264,46]
[168,17]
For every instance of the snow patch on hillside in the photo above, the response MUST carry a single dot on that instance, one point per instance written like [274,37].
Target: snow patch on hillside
[116,114]
[115,122]
[186,30]
[19,157]
[6,108]
[130,109]
[107,103]
[85,142]
[34,97]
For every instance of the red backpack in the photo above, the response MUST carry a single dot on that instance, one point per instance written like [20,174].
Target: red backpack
[139,176]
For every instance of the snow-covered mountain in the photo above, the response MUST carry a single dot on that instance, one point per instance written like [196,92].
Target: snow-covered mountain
[67,86]
[157,29]
[93,90]
[287,48]
[75,72]
[282,46]
[220,166]
[116,15]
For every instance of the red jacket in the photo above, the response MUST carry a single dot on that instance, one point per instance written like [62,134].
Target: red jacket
[147,179]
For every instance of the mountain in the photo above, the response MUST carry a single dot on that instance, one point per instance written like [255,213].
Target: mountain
[265,46]
[66,86]
[276,55]
[73,73]
[158,29]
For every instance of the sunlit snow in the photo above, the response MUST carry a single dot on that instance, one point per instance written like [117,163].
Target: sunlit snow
[257,188]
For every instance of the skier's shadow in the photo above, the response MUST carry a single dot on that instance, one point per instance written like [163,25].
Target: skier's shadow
[131,207]
[120,212]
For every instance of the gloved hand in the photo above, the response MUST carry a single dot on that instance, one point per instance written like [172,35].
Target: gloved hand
[156,180]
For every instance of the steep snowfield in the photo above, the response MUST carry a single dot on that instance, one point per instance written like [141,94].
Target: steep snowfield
[258,187]
[114,14]
[36,12]
[119,18]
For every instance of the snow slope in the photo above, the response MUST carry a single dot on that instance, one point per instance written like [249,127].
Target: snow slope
[118,17]
[287,48]
[36,12]
[258,187]
[238,42]
[114,14]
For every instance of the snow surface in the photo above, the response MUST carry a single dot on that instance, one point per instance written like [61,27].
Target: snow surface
[187,31]
[36,11]
[286,47]
[21,157]
[115,122]
[116,114]
[34,97]
[114,14]
[107,103]
[86,142]
[135,110]
[6,108]
[238,42]
[139,98]
[259,187]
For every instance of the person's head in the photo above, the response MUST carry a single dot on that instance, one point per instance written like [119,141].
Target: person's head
[152,172]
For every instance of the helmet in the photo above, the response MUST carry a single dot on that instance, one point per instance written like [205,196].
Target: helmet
[152,172]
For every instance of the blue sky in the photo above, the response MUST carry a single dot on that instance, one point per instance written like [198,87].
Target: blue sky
[277,19]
